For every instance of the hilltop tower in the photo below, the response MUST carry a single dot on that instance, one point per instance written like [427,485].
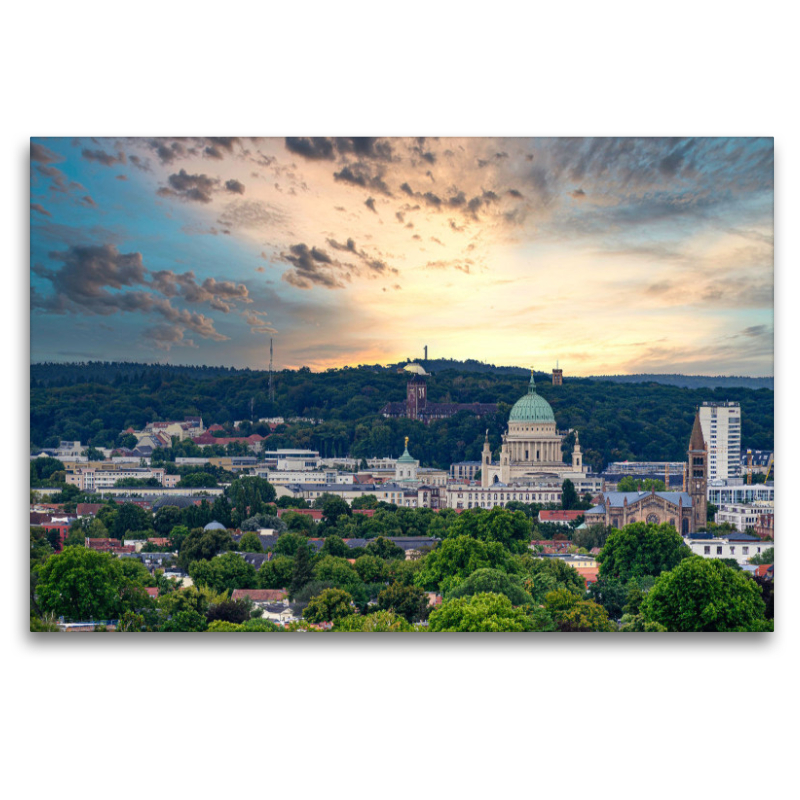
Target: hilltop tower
[558,376]
[698,475]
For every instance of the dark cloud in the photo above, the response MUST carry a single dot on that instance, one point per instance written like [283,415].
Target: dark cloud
[432,200]
[310,267]
[87,201]
[370,204]
[234,186]
[374,266]
[121,177]
[99,280]
[404,187]
[325,149]
[577,194]
[41,209]
[514,193]
[360,174]
[164,337]
[197,188]
[314,148]
[101,157]
[43,155]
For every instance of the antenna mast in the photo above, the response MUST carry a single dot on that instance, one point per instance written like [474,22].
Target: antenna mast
[271,387]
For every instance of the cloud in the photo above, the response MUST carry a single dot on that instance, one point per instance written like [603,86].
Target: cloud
[234,186]
[197,188]
[41,209]
[373,265]
[101,157]
[251,215]
[311,267]
[314,148]
[577,194]
[325,149]
[360,174]
[370,204]
[99,280]
[164,337]
[43,155]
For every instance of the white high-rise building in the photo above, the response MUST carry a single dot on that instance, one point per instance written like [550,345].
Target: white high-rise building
[722,430]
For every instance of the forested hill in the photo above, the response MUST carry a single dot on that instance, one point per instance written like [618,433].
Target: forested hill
[617,421]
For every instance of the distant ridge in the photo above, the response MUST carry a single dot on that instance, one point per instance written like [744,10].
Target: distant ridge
[48,372]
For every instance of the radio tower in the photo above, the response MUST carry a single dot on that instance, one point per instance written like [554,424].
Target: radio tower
[271,388]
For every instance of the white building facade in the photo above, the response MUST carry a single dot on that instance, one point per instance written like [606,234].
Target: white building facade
[722,431]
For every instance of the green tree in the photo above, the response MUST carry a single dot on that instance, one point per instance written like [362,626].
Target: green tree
[130,517]
[166,518]
[494,581]
[408,601]
[203,545]
[377,622]
[572,614]
[457,558]
[703,594]
[303,569]
[610,593]
[235,611]
[276,573]
[486,612]
[385,549]
[372,569]
[569,497]
[224,573]
[188,621]
[365,501]
[196,480]
[767,557]
[250,543]
[81,584]
[329,606]
[641,549]
[334,507]
[339,571]
[299,523]
[335,546]
[288,544]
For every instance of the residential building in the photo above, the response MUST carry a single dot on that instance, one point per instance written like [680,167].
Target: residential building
[499,494]
[465,470]
[737,491]
[743,517]
[89,479]
[738,546]
[722,432]
[558,516]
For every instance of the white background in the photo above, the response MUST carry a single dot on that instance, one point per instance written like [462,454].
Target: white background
[392,716]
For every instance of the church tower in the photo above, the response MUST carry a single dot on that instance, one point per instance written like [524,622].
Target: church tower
[698,475]
[486,461]
[577,457]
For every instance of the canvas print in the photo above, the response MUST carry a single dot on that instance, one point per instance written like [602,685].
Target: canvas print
[421,385]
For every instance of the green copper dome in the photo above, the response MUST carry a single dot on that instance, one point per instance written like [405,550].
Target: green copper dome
[406,458]
[531,407]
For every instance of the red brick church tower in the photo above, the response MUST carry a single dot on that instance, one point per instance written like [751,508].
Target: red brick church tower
[698,475]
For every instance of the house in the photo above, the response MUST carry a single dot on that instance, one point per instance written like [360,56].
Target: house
[765,571]
[88,509]
[261,597]
[152,591]
[277,612]
[559,517]
[552,546]
[739,546]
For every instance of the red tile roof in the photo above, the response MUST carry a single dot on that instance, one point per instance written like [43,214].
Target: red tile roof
[763,569]
[259,595]
[87,509]
[557,515]
[151,590]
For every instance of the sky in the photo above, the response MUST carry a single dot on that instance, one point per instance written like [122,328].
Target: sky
[606,255]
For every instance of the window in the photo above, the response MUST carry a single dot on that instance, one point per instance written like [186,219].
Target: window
[719,550]
[707,550]
[745,551]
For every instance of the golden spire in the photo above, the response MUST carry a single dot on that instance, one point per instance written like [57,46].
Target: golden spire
[406,442]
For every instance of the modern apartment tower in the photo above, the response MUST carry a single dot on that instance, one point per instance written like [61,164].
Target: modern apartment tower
[722,431]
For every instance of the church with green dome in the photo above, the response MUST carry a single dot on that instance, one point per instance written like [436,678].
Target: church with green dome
[531,446]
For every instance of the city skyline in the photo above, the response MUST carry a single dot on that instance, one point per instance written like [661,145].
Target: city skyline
[609,256]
